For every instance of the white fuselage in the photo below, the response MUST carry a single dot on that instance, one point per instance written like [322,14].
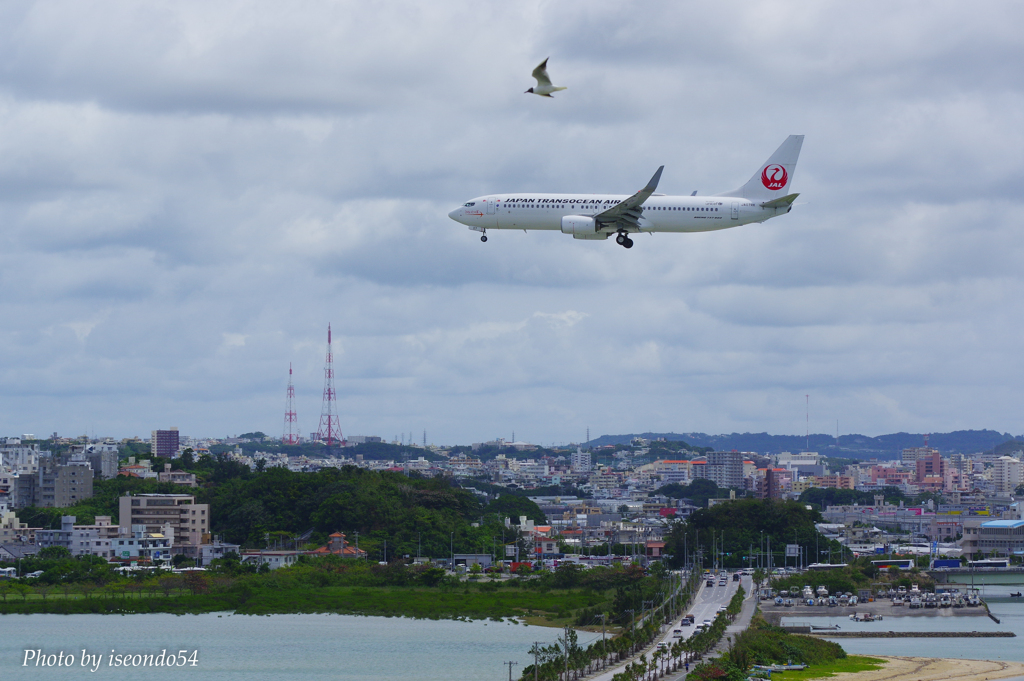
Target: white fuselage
[660,213]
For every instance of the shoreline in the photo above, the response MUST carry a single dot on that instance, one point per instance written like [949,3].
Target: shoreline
[906,668]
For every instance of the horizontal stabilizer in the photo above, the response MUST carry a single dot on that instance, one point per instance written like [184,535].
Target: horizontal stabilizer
[780,202]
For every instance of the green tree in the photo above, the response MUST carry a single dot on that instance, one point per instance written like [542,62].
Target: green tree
[514,506]
[54,553]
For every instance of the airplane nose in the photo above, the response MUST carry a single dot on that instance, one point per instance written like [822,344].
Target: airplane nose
[455,214]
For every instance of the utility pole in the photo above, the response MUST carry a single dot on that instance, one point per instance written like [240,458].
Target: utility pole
[510,663]
[536,653]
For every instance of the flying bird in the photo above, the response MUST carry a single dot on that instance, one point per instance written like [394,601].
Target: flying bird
[544,87]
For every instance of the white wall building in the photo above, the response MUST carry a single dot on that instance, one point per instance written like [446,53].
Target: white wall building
[1007,474]
[580,461]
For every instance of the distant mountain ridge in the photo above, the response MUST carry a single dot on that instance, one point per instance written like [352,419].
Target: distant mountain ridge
[851,446]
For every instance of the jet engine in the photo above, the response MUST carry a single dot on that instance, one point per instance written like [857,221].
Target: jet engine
[579,226]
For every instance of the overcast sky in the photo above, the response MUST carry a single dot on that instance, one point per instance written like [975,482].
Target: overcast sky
[191,191]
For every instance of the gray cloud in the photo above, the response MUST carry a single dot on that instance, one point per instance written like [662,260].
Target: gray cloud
[190,193]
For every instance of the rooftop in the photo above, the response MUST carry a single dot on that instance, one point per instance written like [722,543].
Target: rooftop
[1012,524]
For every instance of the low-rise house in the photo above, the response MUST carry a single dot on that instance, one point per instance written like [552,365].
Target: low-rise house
[177,477]
[142,545]
[16,551]
[272,559]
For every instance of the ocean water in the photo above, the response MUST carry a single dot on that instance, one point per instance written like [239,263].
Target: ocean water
[1010,614]
[230,647]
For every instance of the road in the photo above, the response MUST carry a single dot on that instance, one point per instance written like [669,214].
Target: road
[705,606]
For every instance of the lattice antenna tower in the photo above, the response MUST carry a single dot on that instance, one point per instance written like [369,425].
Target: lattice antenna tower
[329,431]
[808,445]
[291,422]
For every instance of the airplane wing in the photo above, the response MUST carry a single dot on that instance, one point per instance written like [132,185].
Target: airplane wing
[541,73]
[780,202]
[626,215]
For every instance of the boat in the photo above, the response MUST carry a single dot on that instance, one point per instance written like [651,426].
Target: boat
[1015,595]
[831,627]
[865,617]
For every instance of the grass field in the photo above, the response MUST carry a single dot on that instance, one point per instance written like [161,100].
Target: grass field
[852,663]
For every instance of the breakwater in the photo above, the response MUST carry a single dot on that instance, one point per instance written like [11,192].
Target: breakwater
[914,634]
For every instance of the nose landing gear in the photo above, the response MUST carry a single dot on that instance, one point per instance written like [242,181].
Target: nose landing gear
[483,238]
[623,240]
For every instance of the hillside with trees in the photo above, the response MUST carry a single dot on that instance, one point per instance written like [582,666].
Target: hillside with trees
[413,515]
[736,529]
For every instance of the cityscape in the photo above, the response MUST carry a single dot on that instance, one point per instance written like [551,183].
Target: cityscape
[590,498]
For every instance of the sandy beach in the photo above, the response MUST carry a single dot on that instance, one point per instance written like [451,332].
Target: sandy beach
[935,669]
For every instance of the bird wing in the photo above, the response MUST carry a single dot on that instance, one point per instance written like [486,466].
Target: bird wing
[626,215]
[541,73]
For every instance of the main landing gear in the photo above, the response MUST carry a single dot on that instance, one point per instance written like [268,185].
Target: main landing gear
[623,240]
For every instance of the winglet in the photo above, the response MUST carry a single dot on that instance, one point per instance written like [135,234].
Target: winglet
[653,184]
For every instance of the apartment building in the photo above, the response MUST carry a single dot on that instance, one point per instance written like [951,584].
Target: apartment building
[1007,474]
[81,540]
[164,443]
[60,485]
[188,521]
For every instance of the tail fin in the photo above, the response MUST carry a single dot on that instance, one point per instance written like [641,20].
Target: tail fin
[774,178]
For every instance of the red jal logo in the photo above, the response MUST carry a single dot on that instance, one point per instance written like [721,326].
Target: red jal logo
[774,177]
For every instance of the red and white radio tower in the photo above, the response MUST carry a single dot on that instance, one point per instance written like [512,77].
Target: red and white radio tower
[330,427]
[291,423]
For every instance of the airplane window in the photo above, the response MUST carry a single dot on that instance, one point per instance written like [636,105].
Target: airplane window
[471,203]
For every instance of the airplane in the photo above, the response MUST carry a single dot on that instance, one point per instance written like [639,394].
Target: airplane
[598,216]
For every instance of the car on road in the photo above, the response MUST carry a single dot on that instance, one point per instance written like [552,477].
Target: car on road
[706,623]
[677,633]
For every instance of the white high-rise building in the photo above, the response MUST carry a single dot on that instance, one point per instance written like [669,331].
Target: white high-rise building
[1007,474]
[580,461]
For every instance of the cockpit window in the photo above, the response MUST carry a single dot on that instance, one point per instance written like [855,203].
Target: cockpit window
[471,203]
